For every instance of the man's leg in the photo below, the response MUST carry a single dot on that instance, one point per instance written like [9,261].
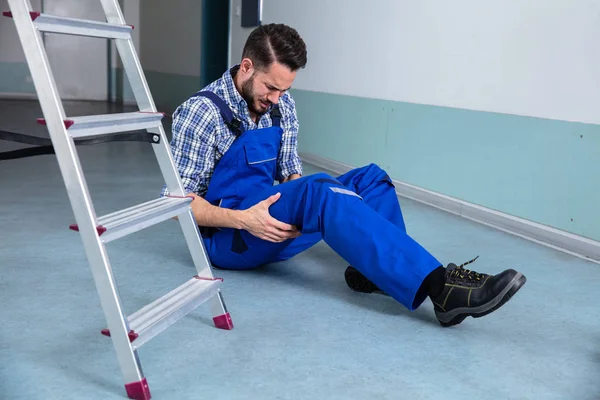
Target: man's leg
[399,266]
[298,246]
[456,292]
[377,190]
[322,207]
[374,185]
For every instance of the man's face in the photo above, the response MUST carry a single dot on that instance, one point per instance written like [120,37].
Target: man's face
[261,88]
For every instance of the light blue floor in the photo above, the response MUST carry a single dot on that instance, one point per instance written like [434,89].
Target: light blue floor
[299,332]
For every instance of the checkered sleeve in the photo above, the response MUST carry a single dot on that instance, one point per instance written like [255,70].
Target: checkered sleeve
[289,161]
[193,144]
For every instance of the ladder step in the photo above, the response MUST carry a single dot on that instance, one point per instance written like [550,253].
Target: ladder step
[74,26]
[121,223]
[165,311]
[94,125]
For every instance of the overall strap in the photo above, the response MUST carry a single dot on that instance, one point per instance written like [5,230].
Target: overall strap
[232,122]
[276,115]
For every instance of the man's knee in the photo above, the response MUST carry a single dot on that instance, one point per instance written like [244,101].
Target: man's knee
[377,173]
[374,169]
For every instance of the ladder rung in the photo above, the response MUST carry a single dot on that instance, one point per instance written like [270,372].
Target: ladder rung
[121,223]
[93,125]
[165,311]
[74,26]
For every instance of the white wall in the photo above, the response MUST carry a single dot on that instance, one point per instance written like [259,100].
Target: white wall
[524,57]
[238,35]
[15,80]
[78,63]
[171,36]
[10,48]
[131,12]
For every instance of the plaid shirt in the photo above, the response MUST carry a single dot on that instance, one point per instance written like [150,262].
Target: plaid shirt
[201,138]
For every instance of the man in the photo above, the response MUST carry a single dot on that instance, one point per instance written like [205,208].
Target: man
[236,137]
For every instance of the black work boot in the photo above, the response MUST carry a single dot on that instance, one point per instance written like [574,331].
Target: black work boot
[469,293]
[358,282]
[465,293]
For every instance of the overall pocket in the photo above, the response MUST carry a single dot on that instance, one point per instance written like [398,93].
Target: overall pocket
[260,153]
[257,167]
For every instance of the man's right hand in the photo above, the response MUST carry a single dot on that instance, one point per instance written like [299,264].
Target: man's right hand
[261,224]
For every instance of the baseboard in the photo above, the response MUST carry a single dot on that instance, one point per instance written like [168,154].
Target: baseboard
[559,240]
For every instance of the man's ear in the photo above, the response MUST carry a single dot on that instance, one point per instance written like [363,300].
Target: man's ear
[247,66]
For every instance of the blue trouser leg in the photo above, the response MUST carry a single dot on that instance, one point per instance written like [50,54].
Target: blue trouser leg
[319,205]
[377,190]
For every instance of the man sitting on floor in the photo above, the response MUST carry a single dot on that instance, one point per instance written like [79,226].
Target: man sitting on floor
[236,137]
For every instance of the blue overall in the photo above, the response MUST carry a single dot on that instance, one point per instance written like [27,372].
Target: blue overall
[357,214]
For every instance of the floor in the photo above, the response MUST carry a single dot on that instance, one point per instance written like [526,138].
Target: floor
[299,333]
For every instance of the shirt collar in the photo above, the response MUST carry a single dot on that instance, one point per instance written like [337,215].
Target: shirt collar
[233,95]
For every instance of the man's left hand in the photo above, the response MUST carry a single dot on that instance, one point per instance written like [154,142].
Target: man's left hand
[292,177]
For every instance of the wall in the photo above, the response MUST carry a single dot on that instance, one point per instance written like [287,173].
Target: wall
[15,80]
[167,38]
[170,49]
[238,35]
[79,64]
[491,103]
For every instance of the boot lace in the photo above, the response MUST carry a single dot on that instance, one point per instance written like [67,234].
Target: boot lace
[467,275]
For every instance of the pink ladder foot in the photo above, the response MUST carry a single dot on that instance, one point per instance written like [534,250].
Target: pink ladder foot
[223,321]
[138,390]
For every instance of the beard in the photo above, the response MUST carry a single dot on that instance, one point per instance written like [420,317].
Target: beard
[248,96]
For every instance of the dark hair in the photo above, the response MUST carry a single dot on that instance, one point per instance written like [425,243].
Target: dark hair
[275,42]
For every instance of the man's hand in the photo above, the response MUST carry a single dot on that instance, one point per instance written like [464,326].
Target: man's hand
[261,224]
[255,220]
[291,178]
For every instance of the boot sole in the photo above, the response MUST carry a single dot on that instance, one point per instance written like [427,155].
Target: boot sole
[458,315]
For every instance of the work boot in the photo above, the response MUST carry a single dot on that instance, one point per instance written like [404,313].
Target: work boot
[466,293]
[469,293]
[358,282]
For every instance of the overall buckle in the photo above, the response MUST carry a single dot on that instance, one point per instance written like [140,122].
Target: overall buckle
[275,113]
[236,125]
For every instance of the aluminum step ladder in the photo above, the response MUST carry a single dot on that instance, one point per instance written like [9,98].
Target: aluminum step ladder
[128,333]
